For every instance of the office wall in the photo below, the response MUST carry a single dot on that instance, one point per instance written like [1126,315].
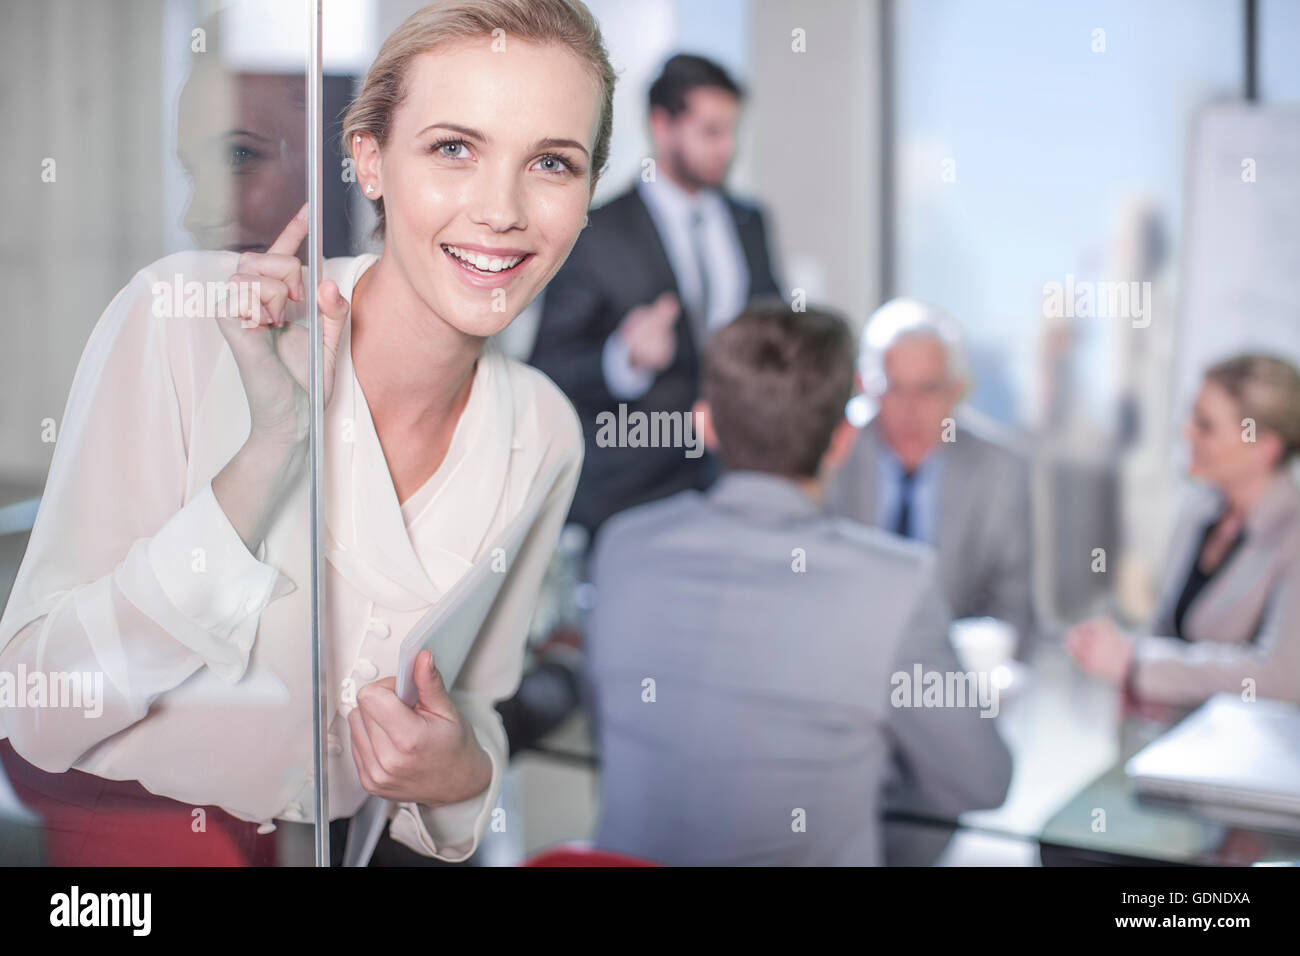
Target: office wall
[81,84]
[813,145]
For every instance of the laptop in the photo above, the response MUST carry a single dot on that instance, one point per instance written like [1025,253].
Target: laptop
[1234,760]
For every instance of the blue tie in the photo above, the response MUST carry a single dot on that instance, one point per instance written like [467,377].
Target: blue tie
[903,522]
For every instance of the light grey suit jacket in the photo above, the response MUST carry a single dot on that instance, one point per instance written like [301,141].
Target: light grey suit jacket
[1245,623]
[983,527]
[733,691]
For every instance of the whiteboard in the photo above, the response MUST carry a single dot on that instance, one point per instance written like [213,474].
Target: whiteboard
[1241,255]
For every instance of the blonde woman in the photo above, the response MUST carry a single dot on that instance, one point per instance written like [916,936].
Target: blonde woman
[1229,613]
[170,552]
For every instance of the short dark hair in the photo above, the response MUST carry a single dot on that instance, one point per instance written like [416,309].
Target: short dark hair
[683,73]
[777,382]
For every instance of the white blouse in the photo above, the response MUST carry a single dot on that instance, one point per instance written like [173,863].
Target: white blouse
[134,571]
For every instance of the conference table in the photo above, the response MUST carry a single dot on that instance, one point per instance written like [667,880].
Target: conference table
[1069,737]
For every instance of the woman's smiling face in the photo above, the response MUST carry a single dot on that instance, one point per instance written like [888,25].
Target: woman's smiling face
[486,175]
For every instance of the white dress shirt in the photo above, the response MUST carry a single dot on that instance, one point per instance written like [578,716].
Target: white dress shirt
[671,208]
[134,570]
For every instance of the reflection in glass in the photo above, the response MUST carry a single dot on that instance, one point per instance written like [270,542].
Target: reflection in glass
[241,140]
[141,728]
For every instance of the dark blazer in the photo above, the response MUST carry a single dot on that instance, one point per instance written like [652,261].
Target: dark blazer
[619,262]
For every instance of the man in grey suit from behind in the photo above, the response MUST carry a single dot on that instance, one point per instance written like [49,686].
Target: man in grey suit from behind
[751,659]
[923,471]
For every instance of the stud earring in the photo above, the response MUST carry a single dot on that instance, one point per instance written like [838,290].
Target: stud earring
[370,187]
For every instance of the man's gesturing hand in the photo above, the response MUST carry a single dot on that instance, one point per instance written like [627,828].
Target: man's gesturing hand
[650,333]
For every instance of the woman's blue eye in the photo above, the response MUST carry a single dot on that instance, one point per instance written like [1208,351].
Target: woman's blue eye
[440,148]
[558,164]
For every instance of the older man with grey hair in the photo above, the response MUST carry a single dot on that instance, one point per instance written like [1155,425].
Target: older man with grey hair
[924,471]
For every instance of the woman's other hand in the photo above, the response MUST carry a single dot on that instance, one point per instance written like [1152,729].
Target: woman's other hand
[426,754]
[1100,649]
[270,351]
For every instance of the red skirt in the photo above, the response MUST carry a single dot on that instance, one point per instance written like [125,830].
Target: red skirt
[90,821]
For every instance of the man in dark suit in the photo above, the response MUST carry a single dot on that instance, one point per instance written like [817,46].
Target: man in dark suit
[658,268]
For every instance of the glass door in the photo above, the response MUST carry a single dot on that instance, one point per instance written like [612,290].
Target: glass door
[157,702]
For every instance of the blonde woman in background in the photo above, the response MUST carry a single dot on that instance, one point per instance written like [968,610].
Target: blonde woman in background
[479,134]
[1229,610]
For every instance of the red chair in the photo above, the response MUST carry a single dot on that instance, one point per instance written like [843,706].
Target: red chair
[581,854]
